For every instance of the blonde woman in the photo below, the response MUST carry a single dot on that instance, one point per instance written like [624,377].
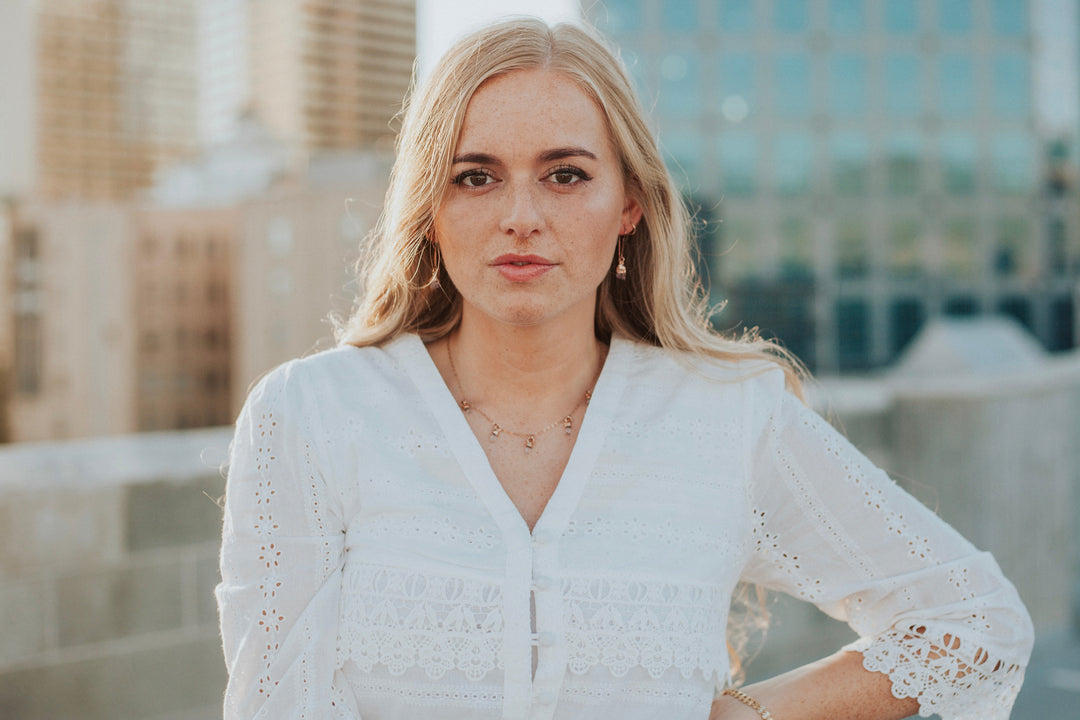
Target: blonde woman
[529,479]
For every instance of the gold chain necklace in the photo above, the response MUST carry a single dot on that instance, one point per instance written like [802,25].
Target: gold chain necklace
[567,421]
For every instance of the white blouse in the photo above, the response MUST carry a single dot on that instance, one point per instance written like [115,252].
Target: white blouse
[373,567]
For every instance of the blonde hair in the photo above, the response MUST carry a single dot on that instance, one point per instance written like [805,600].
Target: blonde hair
[661,300]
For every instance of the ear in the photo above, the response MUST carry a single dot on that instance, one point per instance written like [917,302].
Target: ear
[631,215]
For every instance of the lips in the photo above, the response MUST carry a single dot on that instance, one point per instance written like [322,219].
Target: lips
[522,268]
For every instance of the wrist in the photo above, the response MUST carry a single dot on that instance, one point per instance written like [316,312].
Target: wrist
[739,705]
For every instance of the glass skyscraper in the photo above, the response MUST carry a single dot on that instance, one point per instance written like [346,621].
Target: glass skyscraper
[859,166]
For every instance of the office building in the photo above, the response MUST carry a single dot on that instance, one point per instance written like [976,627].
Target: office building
[114,99]
[859,166]
[328,75]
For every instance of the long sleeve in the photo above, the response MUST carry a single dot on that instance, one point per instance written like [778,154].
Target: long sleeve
[281,563]
[932,612]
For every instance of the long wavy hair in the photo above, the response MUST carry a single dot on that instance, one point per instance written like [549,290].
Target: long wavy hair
[661,300]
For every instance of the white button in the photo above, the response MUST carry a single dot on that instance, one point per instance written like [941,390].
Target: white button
[542,582]
[547,697]
[546,639]
[542,537]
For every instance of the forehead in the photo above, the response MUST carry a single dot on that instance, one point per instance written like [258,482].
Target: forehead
[532,109]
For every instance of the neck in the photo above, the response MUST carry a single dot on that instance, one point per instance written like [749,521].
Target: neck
[525,373]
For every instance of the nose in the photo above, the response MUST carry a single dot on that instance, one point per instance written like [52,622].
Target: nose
[522,215]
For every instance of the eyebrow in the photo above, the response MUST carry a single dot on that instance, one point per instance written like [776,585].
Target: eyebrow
[546,156]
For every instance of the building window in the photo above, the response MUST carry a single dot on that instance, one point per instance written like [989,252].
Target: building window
[1011,90]
[794,158]
[682,153]
[680,91]
[1010,17]
[960,256]
[738,163]
[737,86]
[847,85]
[961,306]
[901,17]
[1057,261]
[736,16]
[29,360]
[847,17]
[1013,252]
[956,86]
[959,156]
[1018,308]
[796,249]
[905,247]
[735,252]
[621,16]
[29,338]
[905,318]
[1062,324]
[794,89]
[904,164]
[215,292]
[902,86]
[850,158]
[853,334]
[679,15]
[954,16]
[791,16]
[852,257]
[1014,163]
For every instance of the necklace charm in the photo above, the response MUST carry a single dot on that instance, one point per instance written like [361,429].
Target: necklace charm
[567,421]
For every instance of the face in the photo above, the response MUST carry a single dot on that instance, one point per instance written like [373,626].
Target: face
[537,201]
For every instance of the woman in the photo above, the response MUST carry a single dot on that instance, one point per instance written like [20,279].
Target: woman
[527,482]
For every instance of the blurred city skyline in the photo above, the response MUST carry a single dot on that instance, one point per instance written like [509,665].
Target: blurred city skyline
[187,182]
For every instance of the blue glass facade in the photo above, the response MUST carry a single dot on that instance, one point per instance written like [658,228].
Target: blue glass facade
[884,156]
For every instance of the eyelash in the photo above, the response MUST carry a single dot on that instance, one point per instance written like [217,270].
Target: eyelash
[570,170]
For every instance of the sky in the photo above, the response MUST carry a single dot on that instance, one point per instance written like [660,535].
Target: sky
[441,22]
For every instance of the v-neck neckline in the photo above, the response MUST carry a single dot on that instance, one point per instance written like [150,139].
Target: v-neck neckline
[472,459]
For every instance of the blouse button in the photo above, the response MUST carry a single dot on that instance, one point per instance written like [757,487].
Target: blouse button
[542,582]
[547,697]
[546,639]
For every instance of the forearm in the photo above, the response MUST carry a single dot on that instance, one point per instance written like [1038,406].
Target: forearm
[834,687]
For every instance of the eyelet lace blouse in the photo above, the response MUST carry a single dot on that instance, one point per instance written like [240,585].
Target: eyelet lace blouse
[373,566]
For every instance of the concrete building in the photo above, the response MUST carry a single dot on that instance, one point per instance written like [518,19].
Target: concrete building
[73,332]
[295,261]
[184,316]
[863,166]
[321,75]
[18,110]
[115,89]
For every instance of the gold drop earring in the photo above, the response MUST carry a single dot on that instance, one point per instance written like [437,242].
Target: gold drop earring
[434,283]
[620,269]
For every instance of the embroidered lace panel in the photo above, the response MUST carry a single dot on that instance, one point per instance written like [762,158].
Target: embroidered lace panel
[402,619]
[942,671]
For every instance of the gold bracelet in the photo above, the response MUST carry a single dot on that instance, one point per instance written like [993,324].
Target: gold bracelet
[749,702]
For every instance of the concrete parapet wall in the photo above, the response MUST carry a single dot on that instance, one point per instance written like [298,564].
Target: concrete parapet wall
[108,559]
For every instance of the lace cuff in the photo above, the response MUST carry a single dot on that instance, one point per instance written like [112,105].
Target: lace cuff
[944,673]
